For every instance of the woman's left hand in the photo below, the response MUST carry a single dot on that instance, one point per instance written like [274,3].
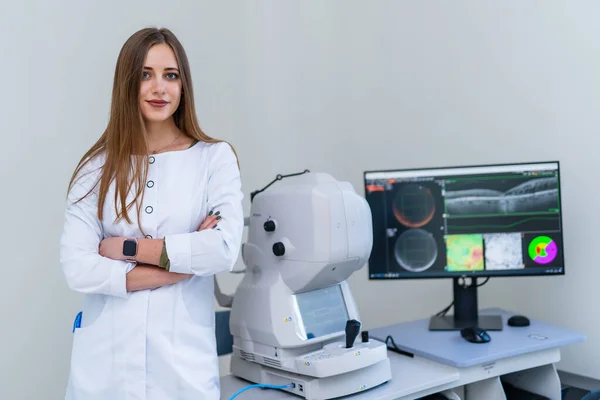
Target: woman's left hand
[112,247]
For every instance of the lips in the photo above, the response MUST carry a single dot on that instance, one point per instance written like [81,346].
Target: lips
[157,103]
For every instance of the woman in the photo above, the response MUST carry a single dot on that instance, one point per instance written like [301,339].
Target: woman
[154,211]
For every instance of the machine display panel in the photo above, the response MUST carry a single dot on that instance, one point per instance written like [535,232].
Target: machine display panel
[322,311]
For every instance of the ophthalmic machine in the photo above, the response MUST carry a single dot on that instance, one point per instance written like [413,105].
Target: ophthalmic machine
[293,317]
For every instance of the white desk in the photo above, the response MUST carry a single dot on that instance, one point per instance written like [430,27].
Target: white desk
[524,357]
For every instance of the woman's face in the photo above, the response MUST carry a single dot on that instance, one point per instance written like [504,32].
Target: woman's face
[160,89]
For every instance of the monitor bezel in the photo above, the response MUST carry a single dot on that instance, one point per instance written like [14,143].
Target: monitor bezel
[475,274]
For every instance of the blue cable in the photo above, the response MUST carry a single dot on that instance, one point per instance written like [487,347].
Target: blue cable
[262,385]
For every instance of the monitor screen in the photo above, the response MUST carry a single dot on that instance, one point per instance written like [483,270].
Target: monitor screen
[322,311]
[490,220]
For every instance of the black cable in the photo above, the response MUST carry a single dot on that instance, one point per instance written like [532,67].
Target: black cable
[277,178]
[445,310]
[396,349]
[484,282]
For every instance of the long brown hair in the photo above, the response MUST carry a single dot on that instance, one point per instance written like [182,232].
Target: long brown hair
[124,140]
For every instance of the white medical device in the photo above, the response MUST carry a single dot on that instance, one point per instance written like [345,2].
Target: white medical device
[293,317]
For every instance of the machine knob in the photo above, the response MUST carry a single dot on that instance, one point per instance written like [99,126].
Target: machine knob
[269,226]
[278,249]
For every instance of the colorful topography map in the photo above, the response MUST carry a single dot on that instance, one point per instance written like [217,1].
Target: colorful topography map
[464,253]
[543,250]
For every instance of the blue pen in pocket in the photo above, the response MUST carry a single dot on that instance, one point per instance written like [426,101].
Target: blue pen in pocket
[77,322]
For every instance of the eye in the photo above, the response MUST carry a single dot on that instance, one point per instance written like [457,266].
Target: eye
[145,75]
[172,76]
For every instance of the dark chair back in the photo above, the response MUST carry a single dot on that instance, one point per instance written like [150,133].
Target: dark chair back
[224,338]
[594,395]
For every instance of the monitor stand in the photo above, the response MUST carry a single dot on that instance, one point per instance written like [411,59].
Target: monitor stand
[465,310]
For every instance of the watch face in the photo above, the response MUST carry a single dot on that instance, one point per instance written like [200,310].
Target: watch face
[129,248]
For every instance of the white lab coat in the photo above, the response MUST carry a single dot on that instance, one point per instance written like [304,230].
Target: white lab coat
[153,344]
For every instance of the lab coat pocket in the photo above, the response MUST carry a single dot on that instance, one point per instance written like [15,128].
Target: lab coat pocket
[92,358]
[93,305]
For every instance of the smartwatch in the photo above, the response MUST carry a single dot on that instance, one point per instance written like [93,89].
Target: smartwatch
[130,249]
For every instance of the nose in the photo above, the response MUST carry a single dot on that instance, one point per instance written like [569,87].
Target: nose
[159,85]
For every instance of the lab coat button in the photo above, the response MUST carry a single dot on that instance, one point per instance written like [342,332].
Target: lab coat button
[151,159]
[150,184]
[149,210]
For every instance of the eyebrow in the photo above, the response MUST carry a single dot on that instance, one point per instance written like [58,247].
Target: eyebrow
[166,69]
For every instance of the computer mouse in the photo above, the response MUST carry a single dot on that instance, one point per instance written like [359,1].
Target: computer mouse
[475,335]
[518,320]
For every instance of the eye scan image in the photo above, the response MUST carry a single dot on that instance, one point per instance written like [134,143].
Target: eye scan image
[491,196]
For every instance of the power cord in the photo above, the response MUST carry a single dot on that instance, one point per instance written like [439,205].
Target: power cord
[395,348]
[445,310]
[263,385]
[484,282]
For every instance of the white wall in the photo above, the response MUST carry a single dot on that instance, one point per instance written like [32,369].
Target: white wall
[337,86]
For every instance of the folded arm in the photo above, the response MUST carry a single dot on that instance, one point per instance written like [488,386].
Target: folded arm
[211,251]
[144,277]
[151,259]
[215,246]
[84,268]
[154,251]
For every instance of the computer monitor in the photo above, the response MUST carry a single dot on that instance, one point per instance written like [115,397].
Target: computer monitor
[466,222]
